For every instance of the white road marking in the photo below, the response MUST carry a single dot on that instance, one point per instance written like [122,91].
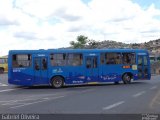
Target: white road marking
[36,102]
[154,87]
[46,98]
[139,94]
[28,98]
[1,84]
[113,105]
[17,101]
[6,90]
[13,103]
[155,101]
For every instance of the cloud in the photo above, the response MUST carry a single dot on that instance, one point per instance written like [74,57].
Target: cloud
[7,17]
[62,14]
[5,22]
[25,35]
[57,22]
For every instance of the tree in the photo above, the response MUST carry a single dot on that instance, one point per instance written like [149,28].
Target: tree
[93,44]
[81,42]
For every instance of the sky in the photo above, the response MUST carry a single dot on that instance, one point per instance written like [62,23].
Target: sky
[50,24]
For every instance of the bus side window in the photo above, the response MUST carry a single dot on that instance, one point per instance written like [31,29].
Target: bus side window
[21,60]
[118,59]
[128,58]
[58,59]
[102,58]
[113,58]
[74,59]
[14,61]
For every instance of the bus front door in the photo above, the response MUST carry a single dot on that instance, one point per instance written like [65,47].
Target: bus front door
[40,70]
[143,67]
[92,71]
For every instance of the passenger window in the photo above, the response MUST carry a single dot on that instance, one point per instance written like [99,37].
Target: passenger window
[128,58]
[22,60]
[102,58]
[58,59]
[113,58]
[74,59]
[62,59]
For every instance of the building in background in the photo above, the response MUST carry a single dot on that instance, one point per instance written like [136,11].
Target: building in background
[3,64]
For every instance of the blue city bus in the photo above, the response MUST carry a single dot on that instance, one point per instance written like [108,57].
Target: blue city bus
[61,67]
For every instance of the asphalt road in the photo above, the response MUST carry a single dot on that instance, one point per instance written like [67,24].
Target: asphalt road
[136,98]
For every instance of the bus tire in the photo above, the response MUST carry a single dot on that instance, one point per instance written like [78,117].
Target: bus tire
[116,82]
[126,78]
[1,70]
[57,82]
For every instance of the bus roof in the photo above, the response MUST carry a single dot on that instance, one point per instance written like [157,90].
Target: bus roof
[76,50]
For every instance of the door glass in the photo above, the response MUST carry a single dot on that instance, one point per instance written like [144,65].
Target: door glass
[145,60]
[142,67]
[140,60]
[44,63]
[88,63]
[36,64]
[140,71]
[145,66]
[94,62]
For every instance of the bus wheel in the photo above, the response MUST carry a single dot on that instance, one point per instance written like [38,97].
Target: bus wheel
[1,70]
[126,79]
[57,82]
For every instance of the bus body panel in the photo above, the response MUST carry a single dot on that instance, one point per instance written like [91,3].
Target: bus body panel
[21,76]
[72,76]
[90,71]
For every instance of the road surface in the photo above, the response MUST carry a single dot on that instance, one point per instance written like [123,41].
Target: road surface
[139,97]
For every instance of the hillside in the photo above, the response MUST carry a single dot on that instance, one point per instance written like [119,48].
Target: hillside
[153,45]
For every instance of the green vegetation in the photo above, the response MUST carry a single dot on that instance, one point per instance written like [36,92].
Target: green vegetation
[81,42]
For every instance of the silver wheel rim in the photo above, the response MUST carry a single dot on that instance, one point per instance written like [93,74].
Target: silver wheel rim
[128,78]
[57,82]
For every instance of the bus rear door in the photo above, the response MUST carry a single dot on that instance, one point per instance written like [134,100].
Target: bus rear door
[143,67]
[92,70]
[40,70]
